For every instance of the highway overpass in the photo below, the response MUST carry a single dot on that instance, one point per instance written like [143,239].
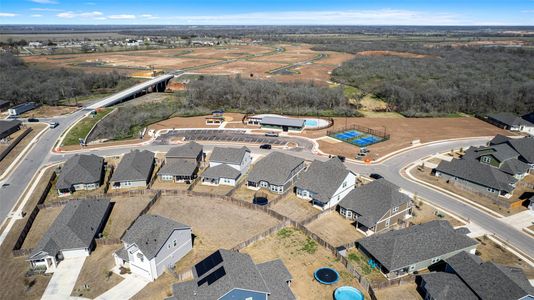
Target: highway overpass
[157,83]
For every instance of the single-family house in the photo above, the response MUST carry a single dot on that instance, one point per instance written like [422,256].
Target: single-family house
[22,108]
[472,175]
[80,172]
[466,276]
[182,163]
[71,234]
[277,171]
[9,127]
[376,206]
[512,122]
[325,183]
[226,165]
[502,157]
[403,251]
[134,170]
[523,146]
[4,105]
[152,244]
[226,275]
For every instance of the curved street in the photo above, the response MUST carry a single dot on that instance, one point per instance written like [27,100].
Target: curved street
[40,154]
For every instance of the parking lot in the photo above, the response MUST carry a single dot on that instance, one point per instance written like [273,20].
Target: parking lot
[232,136]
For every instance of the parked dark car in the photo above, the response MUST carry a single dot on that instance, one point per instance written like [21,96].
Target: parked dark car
[266,146]
[376,176]
[341,158]
[33,120]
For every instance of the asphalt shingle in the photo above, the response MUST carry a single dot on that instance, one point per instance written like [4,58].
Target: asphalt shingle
[323,178]
[80,169]
[275,168]
[221,171]
[228,155]
[134,166]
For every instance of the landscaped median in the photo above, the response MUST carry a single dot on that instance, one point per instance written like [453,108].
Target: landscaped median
[82,128]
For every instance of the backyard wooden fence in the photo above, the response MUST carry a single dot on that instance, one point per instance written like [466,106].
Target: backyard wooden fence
[13,143]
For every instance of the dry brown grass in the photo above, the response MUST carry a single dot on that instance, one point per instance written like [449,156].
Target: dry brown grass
[96,273]
[392,53]
[288,245]
[401,292]
[125,211]
[47,111]
[294,208]
[335,229]
[158,289]
[488,250]
[40,226]
[425,213]
[215,190]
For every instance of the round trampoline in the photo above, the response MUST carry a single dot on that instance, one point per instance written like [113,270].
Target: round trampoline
[348,293]
[326,275]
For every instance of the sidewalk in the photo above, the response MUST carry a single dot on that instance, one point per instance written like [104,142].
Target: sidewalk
[520,220]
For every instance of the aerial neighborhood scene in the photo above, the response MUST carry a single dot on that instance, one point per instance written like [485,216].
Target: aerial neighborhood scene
[267,150]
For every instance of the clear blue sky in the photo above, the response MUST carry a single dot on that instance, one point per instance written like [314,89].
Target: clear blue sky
[277,12]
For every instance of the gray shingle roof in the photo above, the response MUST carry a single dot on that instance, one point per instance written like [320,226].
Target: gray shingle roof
[134,166]
[510,119]
[373,200]
[514,167]
[504,153]
[228,155]
[150,232]
[446,286]
[499,139]
[6,126]
[74,228]
[280,121]
[221,171]
[525,147]
[189,150]
[80,168]
[474,171]
[489,280]
[240,272]
[178,167]
[275,168]
[397,249]
[323,178]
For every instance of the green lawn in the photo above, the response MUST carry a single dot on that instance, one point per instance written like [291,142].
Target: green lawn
[82,128]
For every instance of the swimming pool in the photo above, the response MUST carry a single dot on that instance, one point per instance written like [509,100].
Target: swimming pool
[310,123]
[348,293]
[315,123]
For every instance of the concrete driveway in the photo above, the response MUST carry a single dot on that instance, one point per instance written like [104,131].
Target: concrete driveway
[64,279]
[520,220]
[126,289]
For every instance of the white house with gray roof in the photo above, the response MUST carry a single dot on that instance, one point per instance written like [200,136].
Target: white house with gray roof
[377,206]
[134,170]
[71,234]
[182,163]
[80,172]
[152,244]
[404,251]
[512,122]
[227,275]
[226,166]
[325,183]
[277,172]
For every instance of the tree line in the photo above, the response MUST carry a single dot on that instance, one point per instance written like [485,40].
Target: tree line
[20,82]
[265,96]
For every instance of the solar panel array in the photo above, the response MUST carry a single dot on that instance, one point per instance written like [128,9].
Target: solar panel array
[213,277]
[208,263]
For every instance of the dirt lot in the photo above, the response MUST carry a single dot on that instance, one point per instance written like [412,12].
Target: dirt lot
[12,155]
[166,185]
[485,201]
[401,292]
[125,211]
[216,190]
[210,217]
[40,226]
[96,273]
[426,213]
[404,130]
[491,251]
[335,229]
[191,122]
[47,111]
[301,257]
[295,208]
[13,268]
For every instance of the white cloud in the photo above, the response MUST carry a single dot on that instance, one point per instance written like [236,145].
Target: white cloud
[347,17]
[45,9]
[4,14]
[71,15]
[36,15]
[122,17]
[45,1]
[148,16]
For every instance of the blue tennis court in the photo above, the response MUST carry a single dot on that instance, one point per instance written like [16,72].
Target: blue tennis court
[357,138]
